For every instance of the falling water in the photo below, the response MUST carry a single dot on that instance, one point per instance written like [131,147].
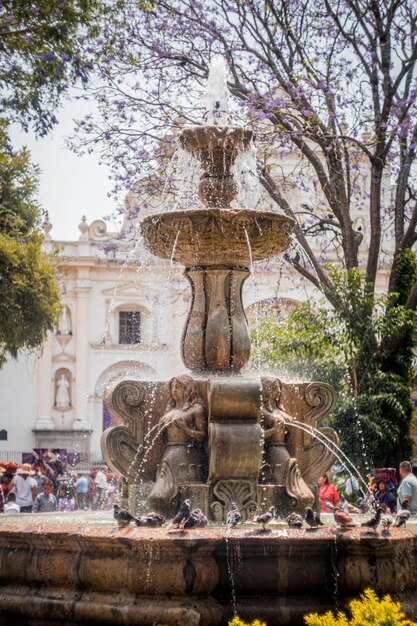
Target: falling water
[174,247]
[333,447]
[246,178]
[229,559]
[185,177]
[216,96]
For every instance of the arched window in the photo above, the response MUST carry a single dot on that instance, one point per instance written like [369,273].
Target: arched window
[129,327]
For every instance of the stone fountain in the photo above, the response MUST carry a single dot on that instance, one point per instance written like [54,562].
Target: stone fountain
[223,437]
[215,436]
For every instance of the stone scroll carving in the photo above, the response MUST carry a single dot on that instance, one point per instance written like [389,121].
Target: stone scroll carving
[122,446]
[313,456]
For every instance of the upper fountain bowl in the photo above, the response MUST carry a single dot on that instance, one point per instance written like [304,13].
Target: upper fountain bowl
[216,147]
[216,234]
[199,139]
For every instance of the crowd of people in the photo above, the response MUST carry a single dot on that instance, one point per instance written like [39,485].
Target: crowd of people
[26,490]
[384,490]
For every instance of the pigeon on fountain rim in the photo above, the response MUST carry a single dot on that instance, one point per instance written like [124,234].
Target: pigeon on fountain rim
[313,518]
[294,520]
[197,519]
[375,520]
[123,517]
[182,515]
[152,520]
[233,516]
[265,518]
[402,517]
[343,519]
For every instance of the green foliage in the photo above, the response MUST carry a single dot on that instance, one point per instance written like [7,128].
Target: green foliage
[368,611]
[365,349]
[29,294]
[236,621]
[43,50]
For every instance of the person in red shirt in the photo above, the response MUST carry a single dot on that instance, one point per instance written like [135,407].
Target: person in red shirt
[329,491]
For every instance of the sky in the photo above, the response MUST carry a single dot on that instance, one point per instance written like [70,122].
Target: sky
[70,186]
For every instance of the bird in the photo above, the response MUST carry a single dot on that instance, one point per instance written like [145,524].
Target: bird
[342,519]
[151,519]
[233,516]
[182,515]
[265,518]
[402,518]
[313,518]
[386,522]
[375,520]
[329,505]
[122,516]
[197,519]
[294,520]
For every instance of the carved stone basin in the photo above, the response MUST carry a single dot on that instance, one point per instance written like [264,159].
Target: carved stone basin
[78,575]
[213,236]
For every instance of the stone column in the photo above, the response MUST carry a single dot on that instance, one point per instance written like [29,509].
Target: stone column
[235,445]
[216,335]
[81,368]
[45,390]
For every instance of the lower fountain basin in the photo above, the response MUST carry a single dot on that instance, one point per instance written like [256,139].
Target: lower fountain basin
[78,574]
[215,236]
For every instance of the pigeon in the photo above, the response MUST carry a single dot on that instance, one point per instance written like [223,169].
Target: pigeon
[122,516]
[386,522]
[151,519]
[265,518]
[233,516]
[313,518]
[294,520]
[197,519]
[182,515]
[373,523]
[329,505]
[402,518]
[342,519]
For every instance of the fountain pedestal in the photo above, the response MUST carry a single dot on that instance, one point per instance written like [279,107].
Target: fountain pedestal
[216,335]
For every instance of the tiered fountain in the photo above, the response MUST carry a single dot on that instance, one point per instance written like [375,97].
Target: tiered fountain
[214,436]
[223,437]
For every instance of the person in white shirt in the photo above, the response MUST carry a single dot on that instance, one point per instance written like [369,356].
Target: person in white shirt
[101,483]
[25,488]
[11,508]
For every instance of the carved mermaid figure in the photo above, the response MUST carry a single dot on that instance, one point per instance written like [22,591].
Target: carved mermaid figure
[279,467]
[183,428]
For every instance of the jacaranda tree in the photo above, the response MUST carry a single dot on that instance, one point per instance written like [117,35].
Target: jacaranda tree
[331,83]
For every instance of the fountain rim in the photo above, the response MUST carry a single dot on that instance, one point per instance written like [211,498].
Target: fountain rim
[162,234]
[207,136]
